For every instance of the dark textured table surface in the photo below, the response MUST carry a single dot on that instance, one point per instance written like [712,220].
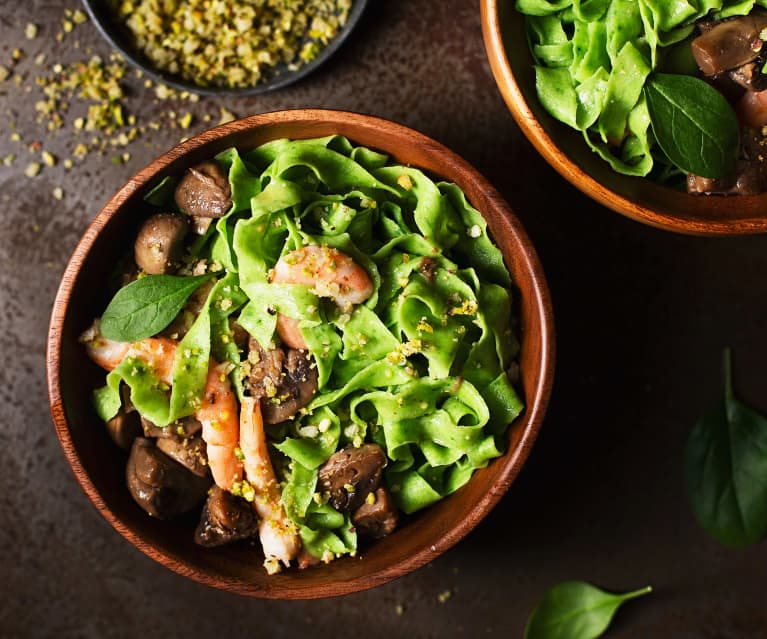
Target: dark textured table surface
[642,317]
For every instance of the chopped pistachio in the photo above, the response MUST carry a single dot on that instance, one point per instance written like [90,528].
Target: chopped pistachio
[4,73]
[58,193]
[68,164]
[30,31]
[33,169]
[238,47]
[9,159]
[78,17]
[49,158]
[185,121]
[226,116]
[17,54]
[163,92]
[405,182]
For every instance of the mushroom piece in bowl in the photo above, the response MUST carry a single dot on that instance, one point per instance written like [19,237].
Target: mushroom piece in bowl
[407,542]
[642,199]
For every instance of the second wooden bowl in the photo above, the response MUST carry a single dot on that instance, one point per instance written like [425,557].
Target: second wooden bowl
[640,199]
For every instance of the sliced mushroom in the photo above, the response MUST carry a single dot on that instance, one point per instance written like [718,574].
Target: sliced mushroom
[204,191]
[160,243]
[351,474]
[730,43]
[749,76]
[225,518]
[284,381]
[184,427]
[749,176]
[124,427]
[239,334]
[190,452]
[162,487]
[377,517]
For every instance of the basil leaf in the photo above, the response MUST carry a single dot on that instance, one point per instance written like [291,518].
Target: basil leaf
[146,306]
[726,470]
[693,123]
[162,194]
[575,610]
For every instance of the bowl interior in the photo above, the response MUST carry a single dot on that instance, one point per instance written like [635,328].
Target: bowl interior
[280,76]
[99,465]
[563,147]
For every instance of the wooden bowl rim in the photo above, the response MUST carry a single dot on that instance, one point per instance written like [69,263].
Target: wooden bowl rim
[538,300]
[528,122]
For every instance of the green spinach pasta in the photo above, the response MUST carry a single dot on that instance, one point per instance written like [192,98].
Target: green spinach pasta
[332,337]
[594,60]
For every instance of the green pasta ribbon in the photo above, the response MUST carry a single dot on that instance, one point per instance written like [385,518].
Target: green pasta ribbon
[419,367]
[592,58]
[164,404]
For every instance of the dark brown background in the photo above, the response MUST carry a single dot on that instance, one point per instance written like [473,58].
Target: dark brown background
[642,317]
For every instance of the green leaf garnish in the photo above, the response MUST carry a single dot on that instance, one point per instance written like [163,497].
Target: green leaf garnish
[576,610]
[693,123]
[146,306]
[726,470]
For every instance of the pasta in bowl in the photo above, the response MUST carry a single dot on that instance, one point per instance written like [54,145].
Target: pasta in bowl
[337,355]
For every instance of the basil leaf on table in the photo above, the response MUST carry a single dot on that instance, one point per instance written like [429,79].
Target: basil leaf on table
[576,610]
[693,123]
[726,470]
[146,306]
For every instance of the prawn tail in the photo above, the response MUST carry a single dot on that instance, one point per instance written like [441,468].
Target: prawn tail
[278,535]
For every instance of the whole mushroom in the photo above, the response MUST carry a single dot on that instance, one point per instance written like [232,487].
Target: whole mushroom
[124,427]
[225,518]
[351,474]
[377,517]
[204,192]
[160,243]
[161,486]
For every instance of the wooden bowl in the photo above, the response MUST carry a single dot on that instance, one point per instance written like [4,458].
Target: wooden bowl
[638,198]
[100,467]
[122,40]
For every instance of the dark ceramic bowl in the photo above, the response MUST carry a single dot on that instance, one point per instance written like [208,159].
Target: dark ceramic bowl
[99,466]
[121,39]
[640,199]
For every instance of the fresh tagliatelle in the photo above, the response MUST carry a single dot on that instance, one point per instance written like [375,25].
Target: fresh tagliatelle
[594,58]
[382,287]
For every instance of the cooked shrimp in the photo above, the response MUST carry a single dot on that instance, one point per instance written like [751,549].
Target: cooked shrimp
[217,412]
[330,273]
[752,109]
[278,534]
[220,428]
[105,352]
